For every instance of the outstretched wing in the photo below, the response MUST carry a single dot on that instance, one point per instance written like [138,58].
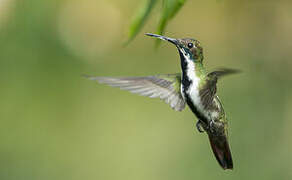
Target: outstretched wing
[166,87]
[208,92]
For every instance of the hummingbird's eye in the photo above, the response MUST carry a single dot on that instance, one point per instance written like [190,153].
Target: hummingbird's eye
[190,45]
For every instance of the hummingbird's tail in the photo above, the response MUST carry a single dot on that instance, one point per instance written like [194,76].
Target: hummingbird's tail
[221,151]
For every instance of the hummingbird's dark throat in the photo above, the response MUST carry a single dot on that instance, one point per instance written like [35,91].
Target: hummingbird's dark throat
[186,83]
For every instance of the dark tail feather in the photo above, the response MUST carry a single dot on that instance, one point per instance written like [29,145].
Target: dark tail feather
[221,151]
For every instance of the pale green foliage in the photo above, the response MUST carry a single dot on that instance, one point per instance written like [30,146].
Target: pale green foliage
[140,18]
[170,9]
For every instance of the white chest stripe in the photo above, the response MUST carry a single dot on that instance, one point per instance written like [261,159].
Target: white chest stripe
[193,90]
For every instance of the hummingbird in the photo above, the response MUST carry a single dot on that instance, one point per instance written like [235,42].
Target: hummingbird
[193,87]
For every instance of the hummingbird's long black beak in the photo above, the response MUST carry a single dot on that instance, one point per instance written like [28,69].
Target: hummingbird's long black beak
[172,40]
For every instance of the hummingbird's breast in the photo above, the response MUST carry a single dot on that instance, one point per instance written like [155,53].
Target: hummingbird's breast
[192,97]
[190,89]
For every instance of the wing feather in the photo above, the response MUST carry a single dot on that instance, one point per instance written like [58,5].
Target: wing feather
[209,90]
[165,87]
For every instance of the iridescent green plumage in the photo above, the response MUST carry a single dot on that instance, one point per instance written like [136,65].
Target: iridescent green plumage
[194,87]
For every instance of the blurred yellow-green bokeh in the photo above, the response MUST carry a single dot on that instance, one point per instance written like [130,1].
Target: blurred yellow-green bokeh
[55,124]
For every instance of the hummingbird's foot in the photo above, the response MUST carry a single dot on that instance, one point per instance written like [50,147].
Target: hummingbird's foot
[199,126]
[211,126]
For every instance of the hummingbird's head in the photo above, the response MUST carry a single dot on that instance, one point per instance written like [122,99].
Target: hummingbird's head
[187,47]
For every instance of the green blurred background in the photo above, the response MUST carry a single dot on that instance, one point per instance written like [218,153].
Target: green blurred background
[57,125]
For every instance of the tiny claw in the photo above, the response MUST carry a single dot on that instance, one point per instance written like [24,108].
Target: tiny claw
[210,126]
[199,126]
